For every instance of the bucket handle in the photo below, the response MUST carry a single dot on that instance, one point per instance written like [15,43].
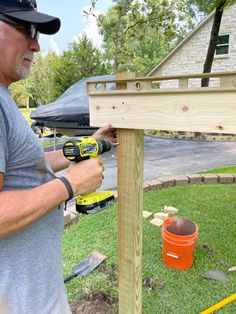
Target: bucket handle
[178,256]
[172,255]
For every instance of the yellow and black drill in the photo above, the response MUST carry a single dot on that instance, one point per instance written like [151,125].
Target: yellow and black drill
[85,148]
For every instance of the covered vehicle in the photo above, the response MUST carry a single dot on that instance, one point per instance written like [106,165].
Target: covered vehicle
[69,114]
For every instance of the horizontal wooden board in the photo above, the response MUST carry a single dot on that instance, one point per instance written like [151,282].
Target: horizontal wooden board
[201,111]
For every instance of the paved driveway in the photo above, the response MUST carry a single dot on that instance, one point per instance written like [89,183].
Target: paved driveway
[164,157]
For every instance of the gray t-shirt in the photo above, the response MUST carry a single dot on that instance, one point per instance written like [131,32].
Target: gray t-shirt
[31,274]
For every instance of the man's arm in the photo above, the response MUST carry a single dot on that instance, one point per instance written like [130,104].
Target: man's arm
[57,160]
[18,209]
[21,208]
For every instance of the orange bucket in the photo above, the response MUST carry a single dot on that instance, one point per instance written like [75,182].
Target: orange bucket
[179,236]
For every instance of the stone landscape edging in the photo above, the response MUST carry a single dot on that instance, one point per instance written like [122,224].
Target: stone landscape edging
[192,178]
[71,214]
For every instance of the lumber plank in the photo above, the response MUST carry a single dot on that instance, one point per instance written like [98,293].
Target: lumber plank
[175,111]
[130,219]
[139,104]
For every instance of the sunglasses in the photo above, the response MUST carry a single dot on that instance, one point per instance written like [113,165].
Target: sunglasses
[30,30]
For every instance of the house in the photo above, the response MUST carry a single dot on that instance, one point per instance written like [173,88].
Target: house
[189,55]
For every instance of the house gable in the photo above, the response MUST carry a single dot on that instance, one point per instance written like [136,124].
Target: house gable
[189,55]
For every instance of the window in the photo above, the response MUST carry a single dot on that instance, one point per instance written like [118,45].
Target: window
[222,47]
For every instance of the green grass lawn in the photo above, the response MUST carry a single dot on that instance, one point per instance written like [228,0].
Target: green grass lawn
[165,290]
[228,169]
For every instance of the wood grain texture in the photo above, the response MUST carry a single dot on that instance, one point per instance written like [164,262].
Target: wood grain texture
[125,78]
[199,111]
[130,217]
[138,104]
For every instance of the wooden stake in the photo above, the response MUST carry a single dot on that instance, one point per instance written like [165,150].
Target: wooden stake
[130,204]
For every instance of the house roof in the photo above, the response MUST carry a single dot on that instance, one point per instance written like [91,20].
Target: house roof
[181,43]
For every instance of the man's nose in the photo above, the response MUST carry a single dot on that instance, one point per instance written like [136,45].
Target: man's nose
[34,45]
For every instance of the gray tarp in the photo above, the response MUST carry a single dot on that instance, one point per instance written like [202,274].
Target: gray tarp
[71,109]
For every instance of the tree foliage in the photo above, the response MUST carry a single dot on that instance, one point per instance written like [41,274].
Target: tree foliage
[207,6]
[87,59]
[52,74]
[137,34]
[21,92]
[42,84]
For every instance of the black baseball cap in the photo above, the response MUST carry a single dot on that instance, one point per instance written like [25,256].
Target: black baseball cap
[25,11]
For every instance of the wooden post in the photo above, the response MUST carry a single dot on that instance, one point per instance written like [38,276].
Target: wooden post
[130,206]
[130,209]
[136,107]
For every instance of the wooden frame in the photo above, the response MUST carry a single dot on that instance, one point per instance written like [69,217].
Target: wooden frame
[135,104]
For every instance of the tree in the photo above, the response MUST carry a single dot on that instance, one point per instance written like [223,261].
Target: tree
[88,59]
[207,6]
[81,60]
[52,74]
[138,34]
[21,92]
[41,78]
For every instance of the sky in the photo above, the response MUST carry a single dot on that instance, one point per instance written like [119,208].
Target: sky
[73,22]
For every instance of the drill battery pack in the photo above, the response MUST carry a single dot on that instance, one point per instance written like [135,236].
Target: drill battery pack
[94,202]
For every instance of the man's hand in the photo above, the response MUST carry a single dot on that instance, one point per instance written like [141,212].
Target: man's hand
[85,176]
[107,132]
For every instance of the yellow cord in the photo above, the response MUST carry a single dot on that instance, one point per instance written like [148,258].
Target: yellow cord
[220,304]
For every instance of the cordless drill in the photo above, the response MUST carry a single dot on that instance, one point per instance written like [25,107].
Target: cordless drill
[85,148]
[81,149]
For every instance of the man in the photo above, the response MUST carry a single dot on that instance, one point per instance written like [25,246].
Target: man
[31,217]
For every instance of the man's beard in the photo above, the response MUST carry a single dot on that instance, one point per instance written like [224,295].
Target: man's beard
[23,72]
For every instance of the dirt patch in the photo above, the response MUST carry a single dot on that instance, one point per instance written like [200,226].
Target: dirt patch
[153,284]
[207,248]
[95,303]
[112,274]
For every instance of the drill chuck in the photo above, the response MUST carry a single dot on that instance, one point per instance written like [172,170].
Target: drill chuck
[104,146]
[85,147]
